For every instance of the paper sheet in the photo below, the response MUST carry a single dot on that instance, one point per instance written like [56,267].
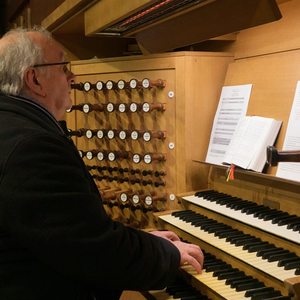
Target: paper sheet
[232,106]
[292,140]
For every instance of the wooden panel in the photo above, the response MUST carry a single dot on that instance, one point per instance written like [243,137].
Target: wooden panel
[106,12]
[202,21]
[274,78]
[278,36]
[41,9]
[195,80]
[64,12]
[205,22]
[83,47]
[14,7]
[263,189]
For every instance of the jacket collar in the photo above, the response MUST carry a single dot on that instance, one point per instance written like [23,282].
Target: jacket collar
[30,103]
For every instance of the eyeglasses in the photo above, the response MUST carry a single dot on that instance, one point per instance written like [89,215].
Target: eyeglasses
[64,63]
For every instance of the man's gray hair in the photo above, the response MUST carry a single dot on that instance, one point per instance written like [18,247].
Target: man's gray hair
[17,55]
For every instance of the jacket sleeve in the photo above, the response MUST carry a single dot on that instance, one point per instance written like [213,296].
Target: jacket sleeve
[49,204]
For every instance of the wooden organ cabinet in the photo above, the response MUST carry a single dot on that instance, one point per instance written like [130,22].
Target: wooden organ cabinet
[138,121]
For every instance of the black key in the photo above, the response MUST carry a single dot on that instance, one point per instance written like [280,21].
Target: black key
[226,233]
[214,198]
[292,265]
[254,209]
[279,298]
[212,227]
[287,220]
[289,262]
[234,273]
[199,219]
[248,210]
[235,203]
[293,223]
[268,251]
[278,257]
[261,211]
[221,228]
[271,256]
[296,227]
[249,285]
[204,223]
[231,238]
[266,295]
[238,239]
[233,280]
[247,241]
[273,215]
[279,218]
[259,247]
[224,271]
[289,258]
[211,264]
[253,292]
[180,213]
[268,214]
[223,201]
[243,205]
[217,268]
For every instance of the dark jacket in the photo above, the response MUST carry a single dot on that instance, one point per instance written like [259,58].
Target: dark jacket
[56,241]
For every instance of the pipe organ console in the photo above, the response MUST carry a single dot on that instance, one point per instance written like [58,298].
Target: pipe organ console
[249,229]
[134,121]
[141,126]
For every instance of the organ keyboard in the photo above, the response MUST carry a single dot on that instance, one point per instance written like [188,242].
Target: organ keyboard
[249,229]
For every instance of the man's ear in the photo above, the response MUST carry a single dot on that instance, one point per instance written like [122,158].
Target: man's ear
[32,83]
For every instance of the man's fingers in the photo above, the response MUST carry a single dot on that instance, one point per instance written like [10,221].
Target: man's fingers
[194,263]
[169,235]
[197,253]
[190,254]
[195,257]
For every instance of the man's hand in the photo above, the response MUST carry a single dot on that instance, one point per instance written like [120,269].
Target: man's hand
[190,254]
[169,235]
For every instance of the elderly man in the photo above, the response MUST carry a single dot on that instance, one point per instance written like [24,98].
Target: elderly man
[56,241]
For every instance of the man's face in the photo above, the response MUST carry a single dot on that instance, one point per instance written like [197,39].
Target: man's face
[55,79]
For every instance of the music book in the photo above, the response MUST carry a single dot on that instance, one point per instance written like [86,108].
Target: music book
[248,146]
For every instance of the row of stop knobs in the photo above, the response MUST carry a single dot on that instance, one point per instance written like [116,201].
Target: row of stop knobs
[119,155]
[146,135]
[130,180]
[109,169]
[119,107]
[127,197]
[118,85]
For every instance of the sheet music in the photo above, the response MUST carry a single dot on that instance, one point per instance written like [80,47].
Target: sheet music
[292,140]
[232,106]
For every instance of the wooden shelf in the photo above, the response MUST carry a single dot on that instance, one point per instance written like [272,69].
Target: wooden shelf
[256,177]
[67,17]
[198,22]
